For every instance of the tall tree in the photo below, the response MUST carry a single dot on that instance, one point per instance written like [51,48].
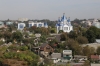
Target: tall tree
[17,36]
[90,36]
[82,40]
[87,51]
[73,34]
[63,37]
[74,46]
[98,50]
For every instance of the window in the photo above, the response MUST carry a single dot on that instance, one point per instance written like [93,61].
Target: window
[21,26]
[40,25]
[65,28]
[30,25]
[35,25]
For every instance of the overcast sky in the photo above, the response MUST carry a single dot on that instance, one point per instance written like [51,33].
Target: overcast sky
[49,9]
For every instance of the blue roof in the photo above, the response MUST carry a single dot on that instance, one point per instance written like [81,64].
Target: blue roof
[58,25]
[63,18]
[59,20]
[68,20]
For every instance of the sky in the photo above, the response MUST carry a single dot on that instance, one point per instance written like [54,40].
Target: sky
[49,9]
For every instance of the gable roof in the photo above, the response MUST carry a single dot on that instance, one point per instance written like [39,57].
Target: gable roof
[56,55]
[43,45]
[95,57]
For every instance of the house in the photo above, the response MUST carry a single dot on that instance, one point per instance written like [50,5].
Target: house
[21,26]
[37,24]
[9,23]
[95,64]
[80,58]
[2,24]
[45,49]
[67,54]
[56,57]
[95,57]
[98,40]
[50,38]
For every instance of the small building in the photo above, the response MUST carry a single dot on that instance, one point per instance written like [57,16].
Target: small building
[95,64]
[56,57]
[21,26]
[37,24]
[67,54]
[95,57]
[46,49]
[9,23]
[96,24]
[2,24]
[98,40]
[23,19]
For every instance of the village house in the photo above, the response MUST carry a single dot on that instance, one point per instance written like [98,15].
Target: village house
[46,49]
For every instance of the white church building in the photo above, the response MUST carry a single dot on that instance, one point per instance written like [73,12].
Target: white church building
[64,24]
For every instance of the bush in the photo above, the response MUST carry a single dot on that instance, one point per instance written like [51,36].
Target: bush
[1,42]
[12,47]
[9,55]
[23,48]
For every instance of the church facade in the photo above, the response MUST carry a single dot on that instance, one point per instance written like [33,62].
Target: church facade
[64,24]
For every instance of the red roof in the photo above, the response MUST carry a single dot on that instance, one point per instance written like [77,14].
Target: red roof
[96,57]
[55,45]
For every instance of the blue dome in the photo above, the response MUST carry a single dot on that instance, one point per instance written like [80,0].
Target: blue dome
[63,18]
[58,25]
[59,20]
[68,20]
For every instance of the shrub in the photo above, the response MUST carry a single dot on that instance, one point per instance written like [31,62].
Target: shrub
[23,48]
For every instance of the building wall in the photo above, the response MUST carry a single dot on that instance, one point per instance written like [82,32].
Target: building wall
[37,24]
[95,64]
[23,19]
[67,53]
[21,26]
[2,25]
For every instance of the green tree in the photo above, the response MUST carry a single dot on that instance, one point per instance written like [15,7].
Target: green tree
[74,46]
[44,31]
[23,48]
[48,62]
[87,51]
[17,36]
[43,38]
[96,31]
[90,36]
[82,40]
[98,50]
[8,36]
[63,36]
[86,63]
[73,34]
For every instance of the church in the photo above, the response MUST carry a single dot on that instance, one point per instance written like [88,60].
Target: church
[64,24]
